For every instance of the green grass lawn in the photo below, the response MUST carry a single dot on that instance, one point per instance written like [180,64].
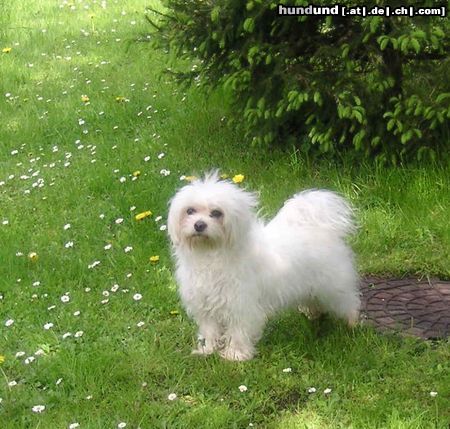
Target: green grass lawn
[92,133]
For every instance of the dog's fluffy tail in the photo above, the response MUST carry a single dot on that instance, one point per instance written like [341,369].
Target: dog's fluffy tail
[323,209]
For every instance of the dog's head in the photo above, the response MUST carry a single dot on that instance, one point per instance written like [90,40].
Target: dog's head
[210,213]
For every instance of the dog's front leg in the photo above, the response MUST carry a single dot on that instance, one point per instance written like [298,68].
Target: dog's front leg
[240,339]
[209,335]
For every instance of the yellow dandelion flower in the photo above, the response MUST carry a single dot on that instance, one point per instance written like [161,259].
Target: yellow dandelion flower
[190,178]
[238,178]
[120,99]
[2,359]
[33,256]
[84,98]
[174,312]
[189,400]
[136,173]
[143,215]
[154,259]
[6,50]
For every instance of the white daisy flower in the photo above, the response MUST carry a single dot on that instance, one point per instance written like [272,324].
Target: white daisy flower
[79,334]
[327,391]
[94,264]
[312,390]
[38,408]
[243,388]
[137,296]
[48,326]
[65,298]
[172,397]
[9,323]
[164,172]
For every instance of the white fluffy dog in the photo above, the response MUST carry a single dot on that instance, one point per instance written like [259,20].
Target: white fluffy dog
[235,271]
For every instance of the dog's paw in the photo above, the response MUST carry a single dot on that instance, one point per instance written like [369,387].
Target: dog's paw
[353,319]
[204,347]
[231,353]
[202,351]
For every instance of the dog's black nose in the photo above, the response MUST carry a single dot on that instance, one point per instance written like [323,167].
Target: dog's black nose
[200,226]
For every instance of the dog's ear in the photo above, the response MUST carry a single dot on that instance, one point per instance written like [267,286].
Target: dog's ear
[173,222]
[239,216]
[235,229]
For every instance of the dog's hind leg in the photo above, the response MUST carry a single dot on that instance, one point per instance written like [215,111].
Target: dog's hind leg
[345,305]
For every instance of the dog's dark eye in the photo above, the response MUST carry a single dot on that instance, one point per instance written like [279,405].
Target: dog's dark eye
[216,213]
[190,211]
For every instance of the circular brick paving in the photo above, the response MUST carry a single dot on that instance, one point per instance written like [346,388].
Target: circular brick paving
[410,306]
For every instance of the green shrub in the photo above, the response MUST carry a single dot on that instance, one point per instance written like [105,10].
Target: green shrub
[378,86]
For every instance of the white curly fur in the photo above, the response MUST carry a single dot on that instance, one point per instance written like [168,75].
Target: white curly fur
[237,271]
